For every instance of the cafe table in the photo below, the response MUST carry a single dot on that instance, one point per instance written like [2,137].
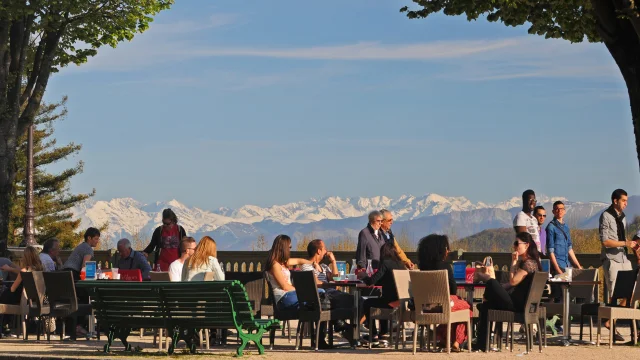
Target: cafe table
[566,302]
[469,287]
[355,287]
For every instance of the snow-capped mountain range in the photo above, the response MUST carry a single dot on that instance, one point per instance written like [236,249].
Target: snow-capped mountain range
[330,217]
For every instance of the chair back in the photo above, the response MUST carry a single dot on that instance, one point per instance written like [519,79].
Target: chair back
[532,306]
[623,288]
[584,292]
[433,290]
[306,290]
[160,276]
[635,298]
[61,291]
[208,276]
[403,283]
[34,288]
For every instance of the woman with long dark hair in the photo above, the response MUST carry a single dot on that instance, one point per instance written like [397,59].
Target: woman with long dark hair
[165,241]
[278,275]
[525,260]
[432,255]
[389,261]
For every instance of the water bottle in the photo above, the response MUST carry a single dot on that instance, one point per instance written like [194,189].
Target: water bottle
[99,272]
[158,269]
[569,271]
[369,268]
[354,267]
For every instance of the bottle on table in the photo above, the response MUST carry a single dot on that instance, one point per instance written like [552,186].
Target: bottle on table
[354,267]
[369,268]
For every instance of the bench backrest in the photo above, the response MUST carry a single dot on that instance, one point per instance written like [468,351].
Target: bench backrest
[198,304]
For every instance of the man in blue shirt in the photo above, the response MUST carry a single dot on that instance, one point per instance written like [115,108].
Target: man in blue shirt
[559,246]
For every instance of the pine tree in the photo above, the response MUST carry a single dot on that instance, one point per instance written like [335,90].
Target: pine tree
[53,199]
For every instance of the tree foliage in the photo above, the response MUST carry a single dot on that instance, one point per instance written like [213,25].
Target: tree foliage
[37,38]
[571,20]
[52,199]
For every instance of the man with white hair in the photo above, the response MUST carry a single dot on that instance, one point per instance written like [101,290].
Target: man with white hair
[131,259]
[385,227]
[370,240]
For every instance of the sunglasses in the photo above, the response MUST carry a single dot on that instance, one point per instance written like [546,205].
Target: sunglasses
[166,223]
[541,215]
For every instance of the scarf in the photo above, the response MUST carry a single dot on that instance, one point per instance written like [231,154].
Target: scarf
[619,224]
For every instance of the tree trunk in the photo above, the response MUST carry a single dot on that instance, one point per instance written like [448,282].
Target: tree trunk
[8,146]
[623,42]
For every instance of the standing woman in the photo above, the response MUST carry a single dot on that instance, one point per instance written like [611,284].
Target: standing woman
[278,275]
[165,241]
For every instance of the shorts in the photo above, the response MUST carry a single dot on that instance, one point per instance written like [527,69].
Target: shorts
[611,269]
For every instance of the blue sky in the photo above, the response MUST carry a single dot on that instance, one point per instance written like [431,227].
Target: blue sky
[226,103]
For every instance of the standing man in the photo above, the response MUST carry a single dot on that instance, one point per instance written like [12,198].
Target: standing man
[614,240]
[540,214]
[387,221]
[370,240]
[188,246]
[525,221]
[49,255]
[559,245]
[131,259]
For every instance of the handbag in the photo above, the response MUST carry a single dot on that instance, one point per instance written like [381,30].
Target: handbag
[486,267]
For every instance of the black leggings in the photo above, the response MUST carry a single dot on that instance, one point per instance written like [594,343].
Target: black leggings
[496,298]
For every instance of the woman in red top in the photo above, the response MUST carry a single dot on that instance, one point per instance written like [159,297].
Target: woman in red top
[165,241]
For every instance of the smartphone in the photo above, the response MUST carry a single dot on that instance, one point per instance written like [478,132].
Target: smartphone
[487,262]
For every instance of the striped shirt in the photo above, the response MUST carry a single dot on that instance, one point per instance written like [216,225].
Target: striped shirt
[322,276]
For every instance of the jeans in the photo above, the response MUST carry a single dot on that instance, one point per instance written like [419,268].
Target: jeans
[288,301]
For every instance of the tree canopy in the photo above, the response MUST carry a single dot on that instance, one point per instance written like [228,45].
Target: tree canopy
[38,38]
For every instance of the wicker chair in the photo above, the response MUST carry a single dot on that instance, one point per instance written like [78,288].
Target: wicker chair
[33,283]
[272,310]
[403,283]
[528,318]
[311,312]
[434,290]
[614,313]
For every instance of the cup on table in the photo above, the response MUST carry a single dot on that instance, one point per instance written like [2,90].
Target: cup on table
[341,273]
[114,272]
[351,277]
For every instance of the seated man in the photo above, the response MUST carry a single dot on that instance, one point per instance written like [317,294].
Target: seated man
[323,273]
[131,259]
[49,255]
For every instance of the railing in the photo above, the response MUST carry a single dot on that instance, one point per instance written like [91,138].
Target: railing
[251,261]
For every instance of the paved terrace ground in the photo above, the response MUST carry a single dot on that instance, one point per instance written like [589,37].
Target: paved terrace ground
[19,349]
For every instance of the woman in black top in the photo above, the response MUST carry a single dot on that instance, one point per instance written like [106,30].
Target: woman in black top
[525,260]
[433,251]
[389,261]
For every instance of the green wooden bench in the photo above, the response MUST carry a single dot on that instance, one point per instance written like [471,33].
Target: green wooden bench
[182,308]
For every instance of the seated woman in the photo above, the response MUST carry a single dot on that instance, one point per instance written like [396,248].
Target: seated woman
[203,261]
[278,275]
[432,255]
[525,260]
[389,261]
[12,295]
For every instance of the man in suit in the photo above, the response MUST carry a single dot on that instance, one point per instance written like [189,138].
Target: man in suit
[370,240]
